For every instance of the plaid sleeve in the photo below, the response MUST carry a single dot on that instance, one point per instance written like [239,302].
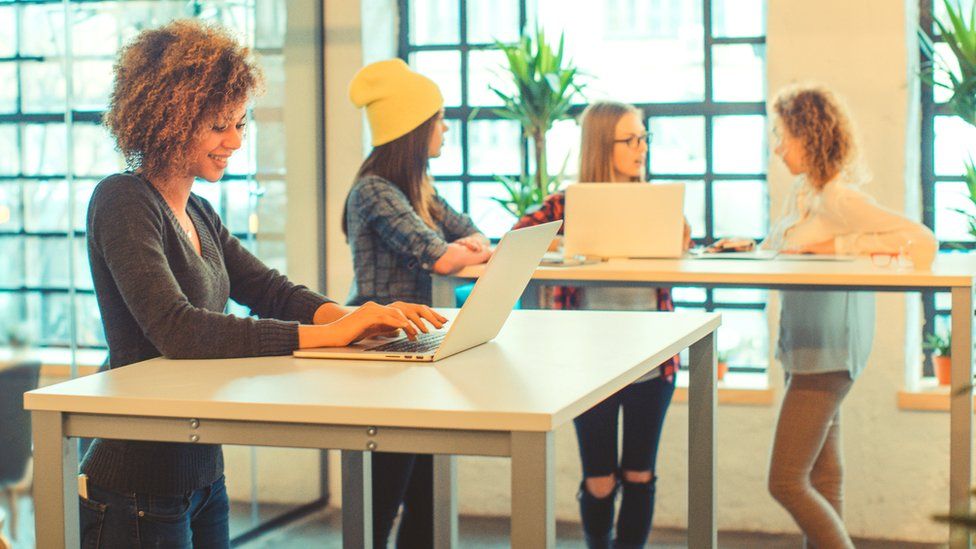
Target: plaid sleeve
[455,224]
[551,209]
[385,208]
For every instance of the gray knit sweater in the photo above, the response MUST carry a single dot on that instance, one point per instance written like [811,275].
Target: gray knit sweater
[157,297]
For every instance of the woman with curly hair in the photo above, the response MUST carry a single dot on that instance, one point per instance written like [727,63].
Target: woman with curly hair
[825,337]
[164,267]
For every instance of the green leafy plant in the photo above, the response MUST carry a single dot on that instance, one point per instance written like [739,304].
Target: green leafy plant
[941,346]
[545,83]
[959,33]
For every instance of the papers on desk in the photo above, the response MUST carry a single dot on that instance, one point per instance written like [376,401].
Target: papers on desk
[700,253]
[556,259]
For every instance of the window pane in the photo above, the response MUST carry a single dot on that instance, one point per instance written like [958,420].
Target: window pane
[83,189]
[739,72]
[940,93]
[695,207]
[562,149]
[630,53]
[689,295]
[8,31]
[270,19]
[490,20]
[10,160]
[943,301]
[493,147]
[271,207]
[434,22]
[88,321]
[99,20]
[443,67]
[449,162]
[489,216]
[11,262]
[940,11]
[46,206]
[745,336]
[83,277]
[740,296]
[46,24]
[740,208]
[92,83]
[951,225]
[43,87]
[738,144]
[270,156]
[955,144]
[678,145]
[94,151]
[487,68]
[49,318]
[45,149]
[47,262]
[451,192]
[10,217]
[8,87]
[738,18]
[243,162]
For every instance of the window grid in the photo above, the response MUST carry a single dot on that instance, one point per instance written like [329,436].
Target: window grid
[37,299]
[934,312]
[708,109]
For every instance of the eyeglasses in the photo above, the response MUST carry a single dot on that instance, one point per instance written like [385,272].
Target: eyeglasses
[634,141]
[889,260]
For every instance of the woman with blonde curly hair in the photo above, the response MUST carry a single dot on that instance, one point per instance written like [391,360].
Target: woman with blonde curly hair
[825,337]
[164,267]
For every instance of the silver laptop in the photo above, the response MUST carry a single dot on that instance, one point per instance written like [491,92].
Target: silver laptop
[624,220]
[483,314]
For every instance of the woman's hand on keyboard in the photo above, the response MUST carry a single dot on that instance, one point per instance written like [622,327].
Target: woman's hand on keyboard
[367,320]
[416,314]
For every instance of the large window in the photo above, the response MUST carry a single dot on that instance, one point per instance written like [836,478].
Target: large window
[55,77]
[947,144]
[696,68]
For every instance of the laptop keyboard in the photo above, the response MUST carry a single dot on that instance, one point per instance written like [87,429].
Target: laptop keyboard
[425,343]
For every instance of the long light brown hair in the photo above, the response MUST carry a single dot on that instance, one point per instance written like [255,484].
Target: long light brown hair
[599,125]
[170,83]
[404,162]
[818,120]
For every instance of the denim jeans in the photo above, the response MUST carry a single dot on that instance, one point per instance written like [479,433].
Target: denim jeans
[644,407]
[406,479]
[110,520]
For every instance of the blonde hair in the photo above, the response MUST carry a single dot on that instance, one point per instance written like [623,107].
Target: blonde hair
[818,120]
[599,125]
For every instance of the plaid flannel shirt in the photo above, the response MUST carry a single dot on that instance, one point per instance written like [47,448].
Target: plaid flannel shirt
[393,250]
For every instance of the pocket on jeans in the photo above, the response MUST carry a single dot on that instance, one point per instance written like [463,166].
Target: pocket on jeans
[166,508]
[92,517]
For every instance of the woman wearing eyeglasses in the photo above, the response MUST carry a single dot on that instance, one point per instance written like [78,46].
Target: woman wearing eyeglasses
[614,149]
[825,337]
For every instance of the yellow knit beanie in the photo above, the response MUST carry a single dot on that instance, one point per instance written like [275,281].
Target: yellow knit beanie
[397,99]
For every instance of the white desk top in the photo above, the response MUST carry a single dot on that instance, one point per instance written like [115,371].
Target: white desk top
[543,369]
[949,270]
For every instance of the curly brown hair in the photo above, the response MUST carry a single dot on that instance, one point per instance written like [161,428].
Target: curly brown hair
[170,83]
[815,117]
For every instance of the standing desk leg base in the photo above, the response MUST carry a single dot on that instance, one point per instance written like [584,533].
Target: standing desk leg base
[357,500]
[702,533]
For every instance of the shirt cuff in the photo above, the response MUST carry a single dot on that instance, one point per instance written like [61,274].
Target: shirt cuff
[432,253]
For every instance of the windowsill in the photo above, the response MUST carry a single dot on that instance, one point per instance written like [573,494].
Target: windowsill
[742,389]
[929,397]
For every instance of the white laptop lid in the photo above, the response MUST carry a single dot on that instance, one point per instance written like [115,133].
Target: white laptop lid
[497,290]
[624,220]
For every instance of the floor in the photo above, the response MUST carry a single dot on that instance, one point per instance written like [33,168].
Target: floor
[323,530]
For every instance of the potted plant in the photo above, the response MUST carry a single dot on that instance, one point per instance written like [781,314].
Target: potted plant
[941,349]
[959,33]
[544,86]
[722,364]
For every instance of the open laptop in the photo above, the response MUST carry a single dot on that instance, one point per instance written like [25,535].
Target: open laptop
[483,314]
[624,220]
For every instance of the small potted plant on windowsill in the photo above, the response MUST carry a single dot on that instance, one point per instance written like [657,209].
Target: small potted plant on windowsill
[941,356]
[722,365]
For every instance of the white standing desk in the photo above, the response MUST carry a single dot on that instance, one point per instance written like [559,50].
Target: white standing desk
[504,398]
[950,272]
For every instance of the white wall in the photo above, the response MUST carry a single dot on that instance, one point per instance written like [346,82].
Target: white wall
[897,462]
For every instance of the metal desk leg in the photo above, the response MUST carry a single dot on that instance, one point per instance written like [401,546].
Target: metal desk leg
[701,445]
[961,412]
[533,516]
[55,483]
[445,502]
[357,500]
[442,290]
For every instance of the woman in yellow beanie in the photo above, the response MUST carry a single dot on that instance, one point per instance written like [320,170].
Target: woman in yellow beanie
[400,231]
